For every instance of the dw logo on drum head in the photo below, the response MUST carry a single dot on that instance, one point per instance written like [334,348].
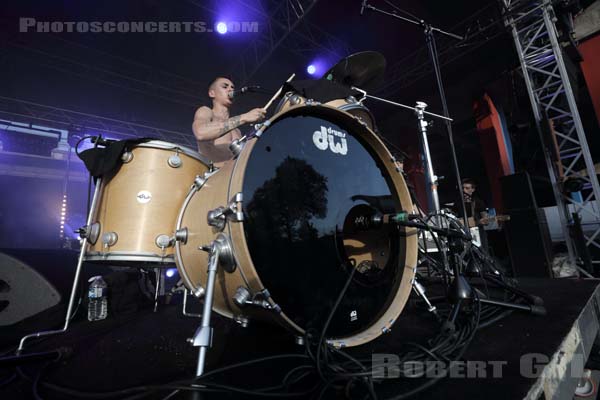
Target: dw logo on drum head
[324,138]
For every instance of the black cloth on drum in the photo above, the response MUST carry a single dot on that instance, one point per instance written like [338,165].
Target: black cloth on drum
[320,90]
[101,161]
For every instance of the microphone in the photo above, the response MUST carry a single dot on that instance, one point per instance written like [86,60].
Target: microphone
[245,89]
[363,6]
[378,220]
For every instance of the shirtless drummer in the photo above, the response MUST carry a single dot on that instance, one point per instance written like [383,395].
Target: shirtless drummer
[214,129]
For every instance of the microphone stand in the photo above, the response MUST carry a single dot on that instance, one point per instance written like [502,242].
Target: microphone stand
[430,40]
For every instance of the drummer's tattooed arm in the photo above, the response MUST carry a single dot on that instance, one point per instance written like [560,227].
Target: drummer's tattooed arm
[206,129]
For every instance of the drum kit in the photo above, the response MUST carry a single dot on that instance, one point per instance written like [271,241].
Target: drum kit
[277,232]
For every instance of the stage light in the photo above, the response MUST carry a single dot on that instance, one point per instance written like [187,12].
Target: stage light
[171,272]
[311,69]
[221,27]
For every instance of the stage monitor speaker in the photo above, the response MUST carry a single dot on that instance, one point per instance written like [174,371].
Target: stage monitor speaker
[23,291]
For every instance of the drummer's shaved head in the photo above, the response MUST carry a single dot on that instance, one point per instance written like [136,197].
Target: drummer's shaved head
[214,82]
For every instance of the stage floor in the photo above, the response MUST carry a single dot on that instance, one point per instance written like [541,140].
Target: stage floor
[146,348]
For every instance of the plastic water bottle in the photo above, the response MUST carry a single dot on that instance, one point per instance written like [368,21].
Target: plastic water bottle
[97,299]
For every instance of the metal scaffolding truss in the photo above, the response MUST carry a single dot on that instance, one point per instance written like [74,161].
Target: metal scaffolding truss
[532,24]
[88,124]
[284,26]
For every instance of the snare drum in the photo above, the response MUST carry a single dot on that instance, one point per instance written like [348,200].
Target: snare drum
[139,205]
[284,213]
[349,104]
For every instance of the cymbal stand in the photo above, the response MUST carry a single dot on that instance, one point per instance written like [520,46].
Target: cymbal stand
[419,110]
[429,31]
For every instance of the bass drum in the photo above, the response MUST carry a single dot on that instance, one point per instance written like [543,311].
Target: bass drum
[297,195]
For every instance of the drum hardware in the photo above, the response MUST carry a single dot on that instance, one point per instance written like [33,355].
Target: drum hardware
[429,36]
[181,235]
[175,161]
[260,128]
[163,241]
[243,298]
[233,212]
[299,340]
[186,293]
[126,157]
[159,274]
[419,110]
[294,99]
[203,336]
[420,290]
[311,102]
[241,320]
[109,239]
[199,181]
[236,146]
[91,232]
[92,211]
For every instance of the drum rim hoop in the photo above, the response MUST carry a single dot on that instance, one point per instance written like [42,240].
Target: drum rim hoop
[163,145]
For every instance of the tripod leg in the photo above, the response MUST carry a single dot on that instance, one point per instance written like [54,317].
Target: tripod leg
[450,324]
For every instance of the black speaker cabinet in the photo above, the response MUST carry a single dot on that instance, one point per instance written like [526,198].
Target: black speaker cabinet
[527,233]
[529,243]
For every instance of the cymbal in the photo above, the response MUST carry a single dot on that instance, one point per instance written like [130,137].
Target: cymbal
[363,70]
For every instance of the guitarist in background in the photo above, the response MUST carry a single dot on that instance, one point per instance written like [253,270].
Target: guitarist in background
[476,208]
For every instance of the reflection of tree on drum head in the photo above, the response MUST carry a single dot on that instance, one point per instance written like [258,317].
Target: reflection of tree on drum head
[290,200]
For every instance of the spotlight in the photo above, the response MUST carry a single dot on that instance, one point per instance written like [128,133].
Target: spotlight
[221,27]
[311,69]
[171,272]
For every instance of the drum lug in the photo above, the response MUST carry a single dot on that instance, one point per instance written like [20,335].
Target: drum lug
[175,161]
[163,241]
[181,235]
[233,212]
[199,181]
[311,102]
[109,239]
[126,157]
[236,146]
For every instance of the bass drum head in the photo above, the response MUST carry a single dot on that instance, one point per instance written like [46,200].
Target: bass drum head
[312,175]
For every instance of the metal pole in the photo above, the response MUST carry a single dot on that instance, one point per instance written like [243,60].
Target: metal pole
[203,336]
[430,174]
